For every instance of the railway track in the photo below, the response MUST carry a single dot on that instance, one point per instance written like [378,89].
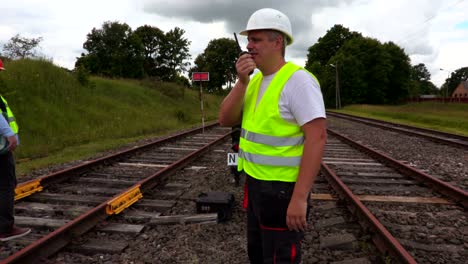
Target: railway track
[336,234]
[437,136]
[399,205]
[423,226]
[64,205]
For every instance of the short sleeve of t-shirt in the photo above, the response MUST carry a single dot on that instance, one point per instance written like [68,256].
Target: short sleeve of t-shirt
[5,129]
[301,100]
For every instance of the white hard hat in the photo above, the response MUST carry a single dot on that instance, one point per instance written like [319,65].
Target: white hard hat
[268,18]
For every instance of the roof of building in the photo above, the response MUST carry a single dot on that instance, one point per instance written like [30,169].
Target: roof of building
[462,84]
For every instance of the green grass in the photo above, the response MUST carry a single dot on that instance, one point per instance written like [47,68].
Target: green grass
[61,120]
[447,117]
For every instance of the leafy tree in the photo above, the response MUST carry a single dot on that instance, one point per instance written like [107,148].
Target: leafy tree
[116,51]
[182,80]
[174,52]
[327,46]
[360,80]
[420,81]
[399,74]
[370,72]
[82,75]
[420,73]
[219,59]
[152,38]
[427,87]
[113,51]
[319,59]
[19,47]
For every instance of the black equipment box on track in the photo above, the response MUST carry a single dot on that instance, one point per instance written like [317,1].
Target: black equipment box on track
[216,202]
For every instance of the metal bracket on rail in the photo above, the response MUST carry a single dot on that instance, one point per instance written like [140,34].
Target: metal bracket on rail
[124,200]
[27,188]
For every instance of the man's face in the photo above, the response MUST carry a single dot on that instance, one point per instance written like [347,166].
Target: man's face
[261,47]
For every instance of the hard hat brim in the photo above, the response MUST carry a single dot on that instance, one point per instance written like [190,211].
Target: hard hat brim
[289,38]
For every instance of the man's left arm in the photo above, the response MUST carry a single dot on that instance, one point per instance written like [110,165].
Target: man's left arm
[7,132]
[315,138]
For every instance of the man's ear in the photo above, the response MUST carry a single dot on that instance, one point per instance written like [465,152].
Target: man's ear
[279,42]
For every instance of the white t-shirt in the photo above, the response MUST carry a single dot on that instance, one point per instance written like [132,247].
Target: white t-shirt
[301,100]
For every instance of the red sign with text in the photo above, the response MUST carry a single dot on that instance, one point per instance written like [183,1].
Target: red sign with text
[200,76]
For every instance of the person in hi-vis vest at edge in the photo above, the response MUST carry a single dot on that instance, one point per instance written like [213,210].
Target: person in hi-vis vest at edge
[283,135]
[9,131]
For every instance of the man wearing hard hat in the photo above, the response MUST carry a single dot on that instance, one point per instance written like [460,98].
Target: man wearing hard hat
[9,136]
[282,138]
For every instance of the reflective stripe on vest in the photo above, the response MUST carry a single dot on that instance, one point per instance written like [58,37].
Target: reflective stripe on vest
[271,148]
[272,140]
[10,118]
[270,160]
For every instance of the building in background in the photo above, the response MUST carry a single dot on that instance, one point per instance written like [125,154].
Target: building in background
[461,91]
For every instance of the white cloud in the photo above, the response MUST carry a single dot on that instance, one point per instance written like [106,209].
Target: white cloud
[425,31]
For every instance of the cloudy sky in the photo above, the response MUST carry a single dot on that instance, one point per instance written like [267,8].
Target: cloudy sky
[433,32]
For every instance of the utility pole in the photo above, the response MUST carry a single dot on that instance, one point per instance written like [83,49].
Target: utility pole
[201,77]
[448,77]
[337,87]
[202,110]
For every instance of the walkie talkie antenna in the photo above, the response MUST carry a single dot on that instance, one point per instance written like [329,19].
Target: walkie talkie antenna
[241,52]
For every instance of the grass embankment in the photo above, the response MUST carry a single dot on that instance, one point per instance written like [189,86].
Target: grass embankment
[61,120]
[447,117]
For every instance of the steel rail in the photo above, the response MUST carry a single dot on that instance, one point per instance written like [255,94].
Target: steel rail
[385,242]
[442,137]
[454,193]
[54,241]
[64,174]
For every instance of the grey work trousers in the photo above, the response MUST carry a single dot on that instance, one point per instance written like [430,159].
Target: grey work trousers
[268,237]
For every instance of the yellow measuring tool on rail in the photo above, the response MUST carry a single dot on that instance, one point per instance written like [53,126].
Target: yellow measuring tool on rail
[27,188]
[119,203]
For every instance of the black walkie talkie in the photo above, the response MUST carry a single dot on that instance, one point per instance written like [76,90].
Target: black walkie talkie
[241,52]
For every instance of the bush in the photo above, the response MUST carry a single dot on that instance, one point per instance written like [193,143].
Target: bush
[181,116]
[82,75]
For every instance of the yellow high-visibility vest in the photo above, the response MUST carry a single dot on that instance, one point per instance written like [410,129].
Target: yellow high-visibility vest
[270,148]
[9,116]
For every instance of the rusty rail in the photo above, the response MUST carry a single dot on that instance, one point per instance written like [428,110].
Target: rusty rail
[450,191]
[59,238]
[64,174]
[384,241]
[433,135]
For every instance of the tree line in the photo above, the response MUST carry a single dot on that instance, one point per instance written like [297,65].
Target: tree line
[368,71]
[115,50]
